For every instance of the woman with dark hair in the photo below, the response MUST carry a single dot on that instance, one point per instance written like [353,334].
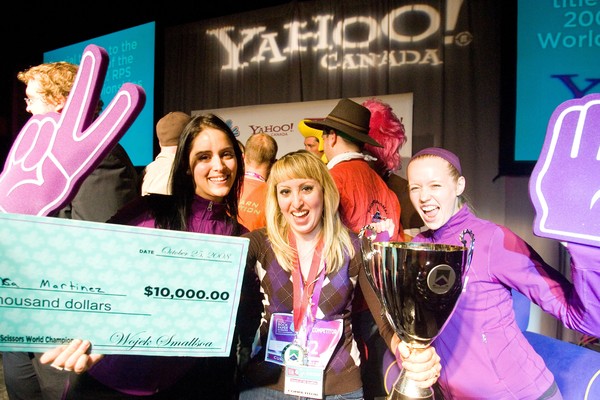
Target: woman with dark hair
[208,154]
[206,180]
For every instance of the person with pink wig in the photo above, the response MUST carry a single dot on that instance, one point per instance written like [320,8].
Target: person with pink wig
[387,129]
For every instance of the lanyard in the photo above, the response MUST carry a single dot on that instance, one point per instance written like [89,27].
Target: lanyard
[303,292]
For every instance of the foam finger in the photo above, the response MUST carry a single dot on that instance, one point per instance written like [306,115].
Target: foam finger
[81,103]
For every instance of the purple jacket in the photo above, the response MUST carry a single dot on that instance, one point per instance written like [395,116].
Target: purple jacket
[145,375]
[483,352]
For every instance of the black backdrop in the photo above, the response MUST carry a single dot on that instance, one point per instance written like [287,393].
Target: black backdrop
[453,71]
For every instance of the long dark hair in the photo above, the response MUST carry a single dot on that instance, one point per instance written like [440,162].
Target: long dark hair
[176,215]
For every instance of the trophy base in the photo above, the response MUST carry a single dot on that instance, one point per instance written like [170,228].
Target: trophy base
[407,389]
[425,395]
[400,396]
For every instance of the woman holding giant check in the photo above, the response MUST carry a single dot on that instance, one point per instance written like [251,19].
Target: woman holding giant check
[215,163]
[207,176]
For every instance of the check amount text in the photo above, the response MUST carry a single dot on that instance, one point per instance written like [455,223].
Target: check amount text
[188,294]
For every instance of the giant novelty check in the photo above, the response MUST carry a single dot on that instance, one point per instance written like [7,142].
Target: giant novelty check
[128,290]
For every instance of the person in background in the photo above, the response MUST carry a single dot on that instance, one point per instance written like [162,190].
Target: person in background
[115,181]
[206,181]
[308,265]
[313,140]
[260,154]
[387,129]
[112,184]
[363,194]
[484,353]
[364,197]
[155,178]
[311,143]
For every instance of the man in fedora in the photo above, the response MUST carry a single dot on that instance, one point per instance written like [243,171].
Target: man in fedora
[364,197]
[363,193]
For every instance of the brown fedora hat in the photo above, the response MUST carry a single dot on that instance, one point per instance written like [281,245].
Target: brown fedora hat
[349,118]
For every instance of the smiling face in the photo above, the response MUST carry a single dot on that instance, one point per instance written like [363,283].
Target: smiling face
[213,164]
[434,190]
[301,203]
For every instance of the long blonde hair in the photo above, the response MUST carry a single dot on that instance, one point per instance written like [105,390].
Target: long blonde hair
[337,244]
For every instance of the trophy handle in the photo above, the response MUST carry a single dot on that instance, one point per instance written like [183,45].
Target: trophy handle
[472,245]
[363,231]
[366,236]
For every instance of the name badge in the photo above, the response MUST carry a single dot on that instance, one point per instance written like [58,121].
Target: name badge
[322,341]
[304,381]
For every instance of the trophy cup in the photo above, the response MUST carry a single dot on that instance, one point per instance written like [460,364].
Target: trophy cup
[418,286]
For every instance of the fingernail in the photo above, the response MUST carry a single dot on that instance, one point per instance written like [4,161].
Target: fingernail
[56,367]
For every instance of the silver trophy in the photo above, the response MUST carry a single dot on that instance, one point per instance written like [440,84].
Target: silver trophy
[418,285]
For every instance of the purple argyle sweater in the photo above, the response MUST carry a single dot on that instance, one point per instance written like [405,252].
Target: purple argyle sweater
[342,374]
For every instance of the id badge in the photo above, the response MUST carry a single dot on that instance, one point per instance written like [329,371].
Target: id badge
[304,381]
[281,334]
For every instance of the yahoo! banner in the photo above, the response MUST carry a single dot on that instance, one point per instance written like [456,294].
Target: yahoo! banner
[445,53]
[316,50]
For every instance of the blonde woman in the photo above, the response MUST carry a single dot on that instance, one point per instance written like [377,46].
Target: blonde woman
[306,265]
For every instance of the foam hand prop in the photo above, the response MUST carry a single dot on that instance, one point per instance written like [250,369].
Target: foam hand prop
[54,153]
[565,182]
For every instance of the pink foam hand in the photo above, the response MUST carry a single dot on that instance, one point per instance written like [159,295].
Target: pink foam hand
[565,183]
[54,153]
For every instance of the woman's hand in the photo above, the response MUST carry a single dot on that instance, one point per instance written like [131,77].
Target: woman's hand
[421,365]
[71,357]
[384,229]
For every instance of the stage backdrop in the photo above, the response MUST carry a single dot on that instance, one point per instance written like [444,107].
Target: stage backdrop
[281,120]
[445,52]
